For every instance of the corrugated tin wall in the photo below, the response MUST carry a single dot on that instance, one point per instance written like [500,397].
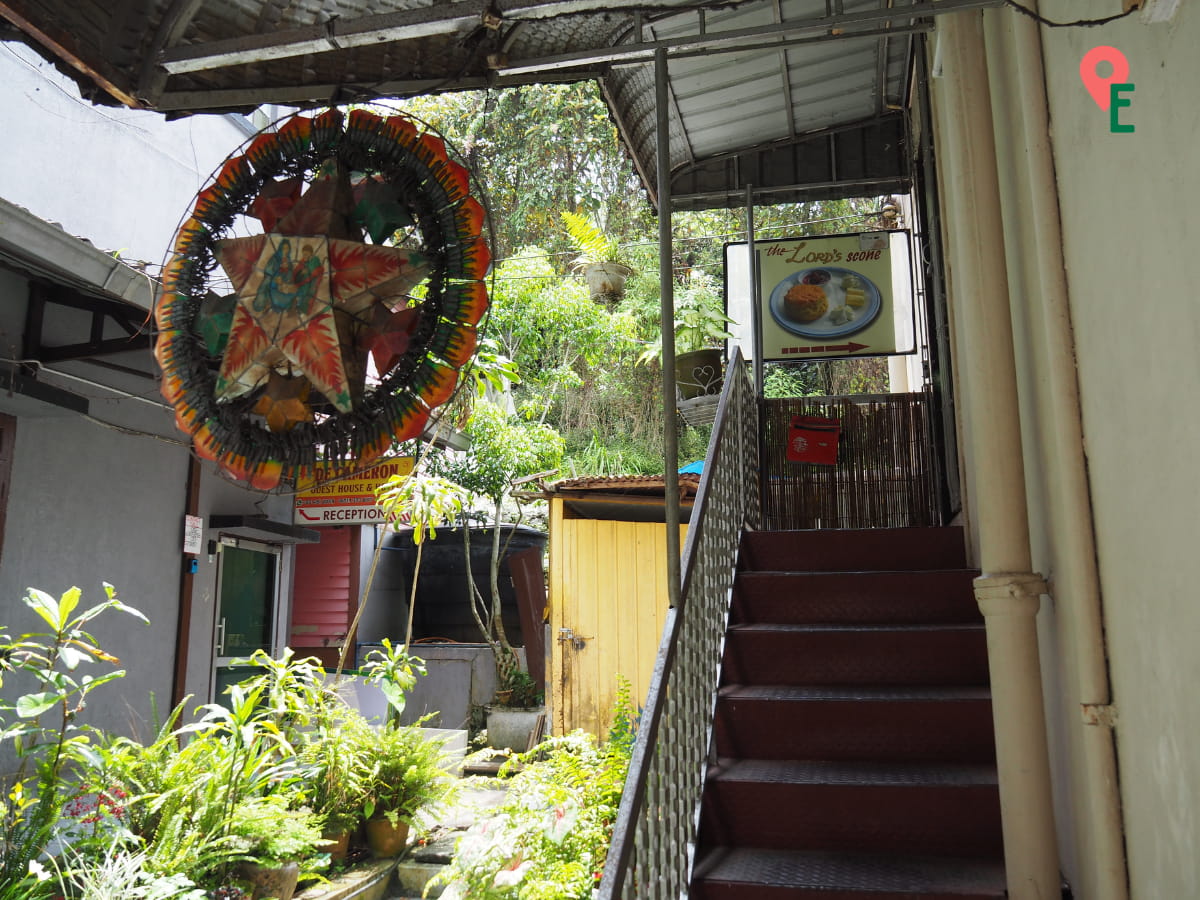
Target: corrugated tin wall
[325,593]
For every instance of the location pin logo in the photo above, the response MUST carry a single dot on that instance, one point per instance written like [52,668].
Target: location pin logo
[1097,85]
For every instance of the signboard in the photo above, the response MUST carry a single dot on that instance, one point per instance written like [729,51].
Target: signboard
[348,500]
[193,534]
[829,296]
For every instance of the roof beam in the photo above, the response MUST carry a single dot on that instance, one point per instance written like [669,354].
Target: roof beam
[62,45]
[170,31]
[893,21]
[339,34]
[301,95]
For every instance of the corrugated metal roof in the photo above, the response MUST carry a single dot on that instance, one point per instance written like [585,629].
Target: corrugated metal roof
[648,485]
[784,94]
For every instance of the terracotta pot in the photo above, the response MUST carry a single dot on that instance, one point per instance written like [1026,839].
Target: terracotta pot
[337,844]
[385,839]
[271,881]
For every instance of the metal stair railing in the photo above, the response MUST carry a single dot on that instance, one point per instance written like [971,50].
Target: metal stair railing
[650,857]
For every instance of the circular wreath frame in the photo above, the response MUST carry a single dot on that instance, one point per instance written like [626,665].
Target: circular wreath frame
[406,154]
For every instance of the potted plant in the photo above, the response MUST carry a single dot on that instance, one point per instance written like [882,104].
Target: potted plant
[276,841]
[502,450]
[701,327]
[514,714]
[597,260]
[403,776]
[335,772]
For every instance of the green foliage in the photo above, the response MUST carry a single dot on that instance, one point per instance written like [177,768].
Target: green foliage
[593,245]
[521,692]
[781,380]
[395,672]
[42,727]
[538,150]
[700,319]
[549,837]
[270,832]
[293,693]
[334,765]
[566,346]
[502,450]
[120,873]
[624,719]
[425,502]
[404,773]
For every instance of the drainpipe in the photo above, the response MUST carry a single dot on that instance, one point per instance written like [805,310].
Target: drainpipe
[666,286]
[1008,593]
[1076,588]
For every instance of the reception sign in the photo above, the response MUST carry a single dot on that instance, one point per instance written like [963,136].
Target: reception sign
[350,500]
[829,296]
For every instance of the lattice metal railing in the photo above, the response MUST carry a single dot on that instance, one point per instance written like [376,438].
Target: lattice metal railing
[651,853]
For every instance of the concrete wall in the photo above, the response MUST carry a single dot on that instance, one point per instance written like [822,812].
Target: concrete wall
[90,503]
[121,178]
[1103,310]
[1130,238]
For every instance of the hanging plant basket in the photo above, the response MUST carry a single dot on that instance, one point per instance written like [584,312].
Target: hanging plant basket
[606,280]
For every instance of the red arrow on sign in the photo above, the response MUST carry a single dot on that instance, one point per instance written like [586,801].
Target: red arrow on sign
[849,348]
[832,348]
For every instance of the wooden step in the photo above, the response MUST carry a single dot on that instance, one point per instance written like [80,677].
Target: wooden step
[846,550]
[942,809]
[801,598]
[855,654]
[747,873]
[855,723]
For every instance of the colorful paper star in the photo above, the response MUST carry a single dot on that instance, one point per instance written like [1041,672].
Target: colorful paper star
[390,335]
[275,200]
[284,404]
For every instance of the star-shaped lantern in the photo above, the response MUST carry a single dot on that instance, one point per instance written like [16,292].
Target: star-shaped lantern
[284,403]
[290,282]
[273,382]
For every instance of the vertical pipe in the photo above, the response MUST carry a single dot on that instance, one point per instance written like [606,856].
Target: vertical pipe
[1008,593]
[1015,61]
[183,628]
[666,286]
[756,341]
[755,309]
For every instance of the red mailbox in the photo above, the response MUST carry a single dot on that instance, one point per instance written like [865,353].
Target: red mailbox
[812,439]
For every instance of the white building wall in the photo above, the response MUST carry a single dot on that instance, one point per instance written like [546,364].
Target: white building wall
[1130,239]
[121,178]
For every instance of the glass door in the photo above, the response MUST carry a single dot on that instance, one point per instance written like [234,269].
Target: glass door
[247,591]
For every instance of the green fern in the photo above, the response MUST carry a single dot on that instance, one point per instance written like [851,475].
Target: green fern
[593,244]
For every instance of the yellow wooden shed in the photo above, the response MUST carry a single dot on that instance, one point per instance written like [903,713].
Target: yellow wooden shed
[608,592]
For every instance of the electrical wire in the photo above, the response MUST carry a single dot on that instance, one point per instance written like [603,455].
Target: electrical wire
[1078,23]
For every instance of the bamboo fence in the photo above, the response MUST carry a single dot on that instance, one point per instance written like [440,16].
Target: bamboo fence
[885,476]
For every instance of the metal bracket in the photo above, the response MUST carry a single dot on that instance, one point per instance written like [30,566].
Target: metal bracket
[1103,714]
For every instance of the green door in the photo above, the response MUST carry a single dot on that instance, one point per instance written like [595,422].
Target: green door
[248,589]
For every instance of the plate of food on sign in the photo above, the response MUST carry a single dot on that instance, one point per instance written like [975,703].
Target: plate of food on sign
[825,302]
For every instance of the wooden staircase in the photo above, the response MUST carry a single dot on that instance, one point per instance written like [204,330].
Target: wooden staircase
[853,732]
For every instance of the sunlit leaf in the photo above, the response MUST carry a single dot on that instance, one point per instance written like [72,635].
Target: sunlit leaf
[31,706]
[44,605]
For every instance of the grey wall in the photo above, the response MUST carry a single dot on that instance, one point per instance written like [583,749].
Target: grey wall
[89,505]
